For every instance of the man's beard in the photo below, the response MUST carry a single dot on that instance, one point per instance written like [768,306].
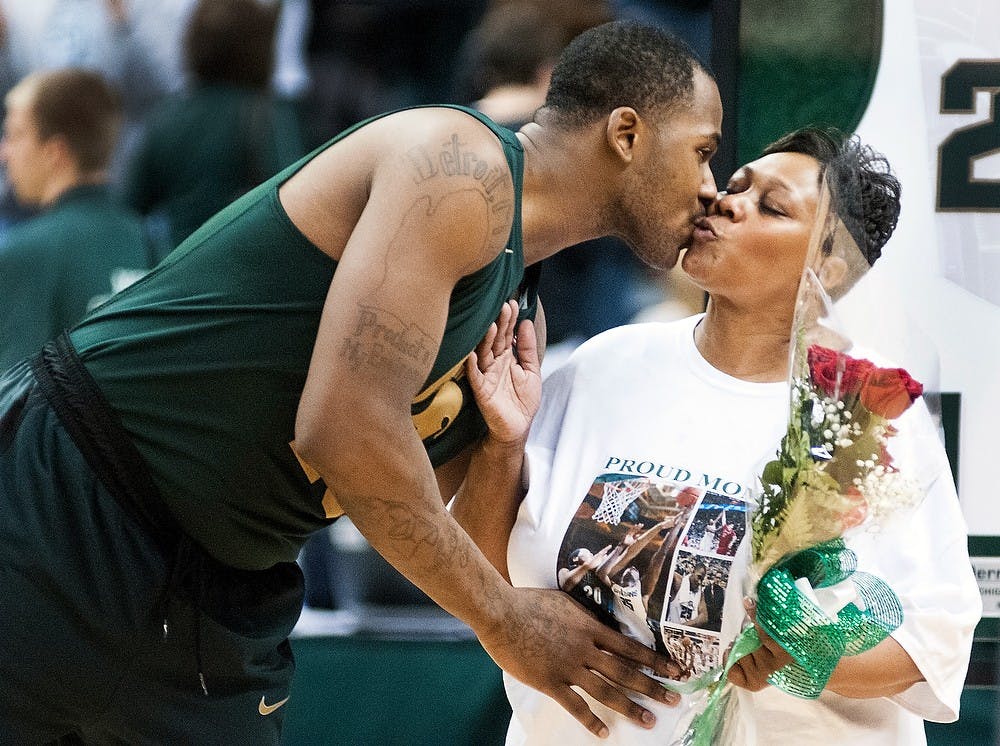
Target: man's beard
[637,233]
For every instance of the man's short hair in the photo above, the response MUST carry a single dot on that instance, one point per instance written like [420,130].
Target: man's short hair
[77,105]
[622,63]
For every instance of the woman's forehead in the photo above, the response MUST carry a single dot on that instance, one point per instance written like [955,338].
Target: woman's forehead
[796,173]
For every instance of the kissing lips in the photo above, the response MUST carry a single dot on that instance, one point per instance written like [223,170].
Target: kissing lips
[703,230]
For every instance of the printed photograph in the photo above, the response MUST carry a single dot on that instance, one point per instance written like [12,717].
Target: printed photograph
[619,544]
[694,652]
[719,525]
[697,592]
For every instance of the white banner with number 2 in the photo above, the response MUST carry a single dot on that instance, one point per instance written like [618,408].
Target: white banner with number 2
[933,300]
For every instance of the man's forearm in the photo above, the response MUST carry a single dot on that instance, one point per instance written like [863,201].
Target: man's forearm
[381,476]
[406,522]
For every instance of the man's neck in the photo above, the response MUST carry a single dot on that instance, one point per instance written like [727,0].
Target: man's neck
[564,194]
[59,185]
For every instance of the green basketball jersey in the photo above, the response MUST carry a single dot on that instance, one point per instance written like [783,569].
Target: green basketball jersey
[204,361]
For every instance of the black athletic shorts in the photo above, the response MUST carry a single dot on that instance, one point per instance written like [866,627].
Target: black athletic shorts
[114,626]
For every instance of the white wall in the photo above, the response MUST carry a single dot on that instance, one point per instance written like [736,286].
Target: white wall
[933,300]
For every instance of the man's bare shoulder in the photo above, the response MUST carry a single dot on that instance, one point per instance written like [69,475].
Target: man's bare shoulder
[444,145]
[430,153]
[454,164]
[435,128]
[440,140]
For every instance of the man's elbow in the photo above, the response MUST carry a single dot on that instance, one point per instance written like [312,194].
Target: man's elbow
[321,442]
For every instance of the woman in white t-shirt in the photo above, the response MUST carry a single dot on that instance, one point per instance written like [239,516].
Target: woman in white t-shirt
[652,421]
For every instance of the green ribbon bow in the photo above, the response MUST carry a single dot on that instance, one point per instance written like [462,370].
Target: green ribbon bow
[815,641]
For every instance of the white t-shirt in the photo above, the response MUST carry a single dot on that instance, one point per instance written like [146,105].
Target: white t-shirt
[637,428]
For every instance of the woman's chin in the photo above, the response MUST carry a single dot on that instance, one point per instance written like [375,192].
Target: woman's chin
[690,265]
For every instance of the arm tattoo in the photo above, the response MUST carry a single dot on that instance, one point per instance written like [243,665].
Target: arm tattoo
[381,340]
[455,158]
[407,527]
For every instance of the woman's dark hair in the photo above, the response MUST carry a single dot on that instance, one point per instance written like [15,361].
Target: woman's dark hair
[621,63]
[232,41]
[865,193]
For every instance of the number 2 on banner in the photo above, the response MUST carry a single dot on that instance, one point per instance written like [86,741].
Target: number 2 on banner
[957,189]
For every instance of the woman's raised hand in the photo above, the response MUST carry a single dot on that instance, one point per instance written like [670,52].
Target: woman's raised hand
[506,376]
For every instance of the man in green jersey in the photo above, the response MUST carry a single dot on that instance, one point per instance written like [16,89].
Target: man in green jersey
[60,130]
[301,356]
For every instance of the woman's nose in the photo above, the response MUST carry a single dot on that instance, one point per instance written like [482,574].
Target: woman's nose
[727,204]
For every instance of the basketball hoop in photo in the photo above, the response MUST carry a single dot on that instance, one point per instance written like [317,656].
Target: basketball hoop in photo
[616,498]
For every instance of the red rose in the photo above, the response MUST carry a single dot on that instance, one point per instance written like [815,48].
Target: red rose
[823,369]
[826,366]
[856,372]
[888,392]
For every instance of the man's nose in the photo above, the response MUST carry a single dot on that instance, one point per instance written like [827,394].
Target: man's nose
[707,192]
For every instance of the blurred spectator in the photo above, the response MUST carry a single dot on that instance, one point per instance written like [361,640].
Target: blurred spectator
[572,16]
[504,67]
[159,25]
[505,62]
[59,133]
[205,146]
[513,47]
[370,56]
[92,34]
[690,19]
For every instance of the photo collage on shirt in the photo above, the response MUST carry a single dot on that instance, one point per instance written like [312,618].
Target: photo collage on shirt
[652,558]
[690,611]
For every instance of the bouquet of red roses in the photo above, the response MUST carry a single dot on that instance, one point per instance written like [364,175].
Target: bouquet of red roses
[834,470]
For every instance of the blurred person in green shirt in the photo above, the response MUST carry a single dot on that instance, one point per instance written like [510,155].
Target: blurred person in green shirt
[60,131]
[224,134]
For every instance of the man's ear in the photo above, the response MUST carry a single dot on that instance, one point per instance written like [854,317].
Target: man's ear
[832,272]
[57,152]
[623,130]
